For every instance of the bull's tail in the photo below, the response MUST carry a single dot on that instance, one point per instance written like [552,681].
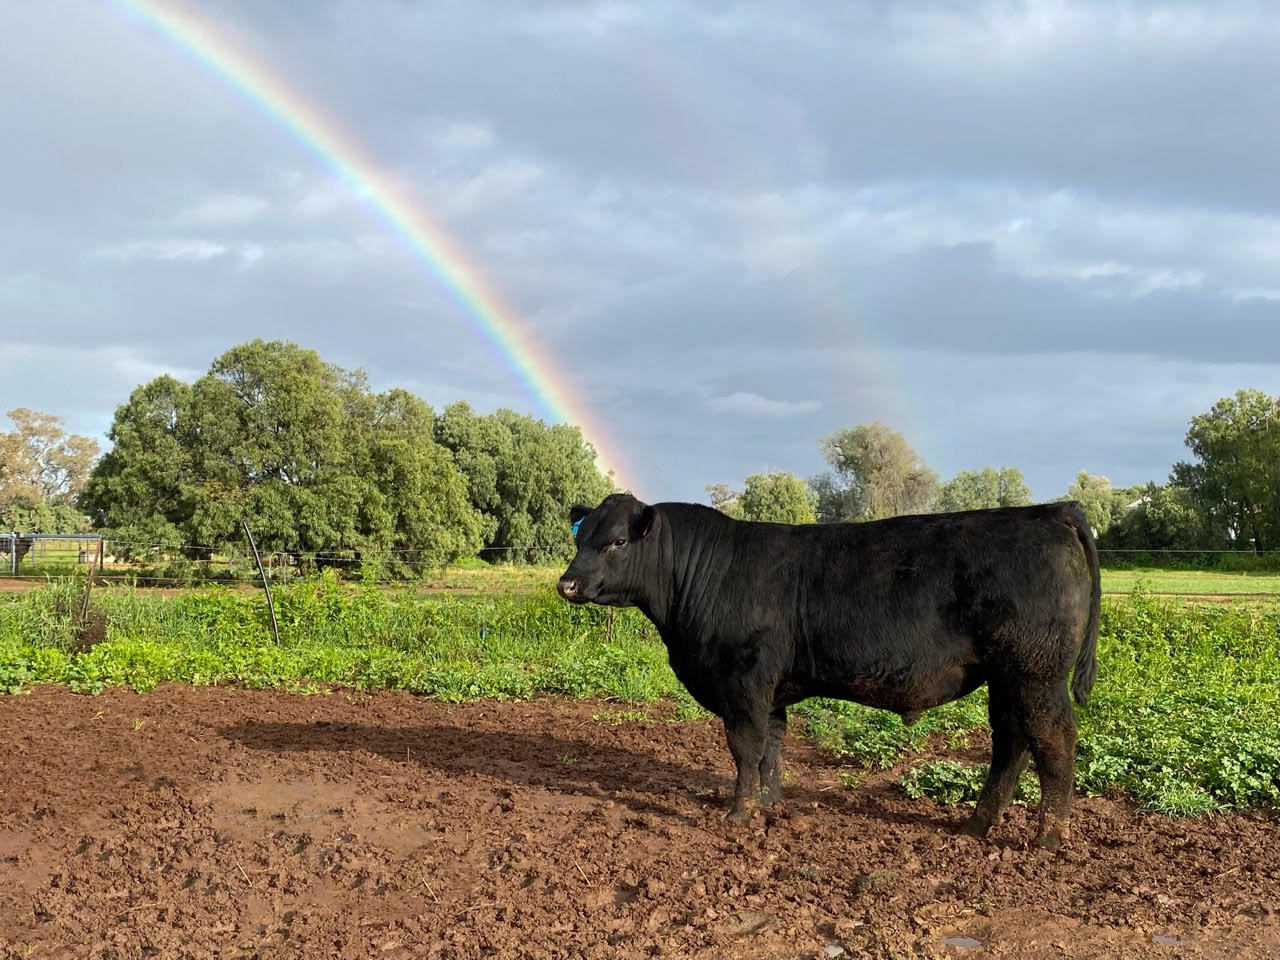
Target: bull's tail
[1087,658]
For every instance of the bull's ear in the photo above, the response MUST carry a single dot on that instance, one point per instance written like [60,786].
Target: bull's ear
[647,517]
[577,513]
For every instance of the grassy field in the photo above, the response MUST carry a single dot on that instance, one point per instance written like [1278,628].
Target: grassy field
[1192,582]
[1185,717]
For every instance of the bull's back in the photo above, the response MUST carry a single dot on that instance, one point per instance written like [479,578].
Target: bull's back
[895,602]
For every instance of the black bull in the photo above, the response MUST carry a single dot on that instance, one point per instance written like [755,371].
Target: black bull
[902,614]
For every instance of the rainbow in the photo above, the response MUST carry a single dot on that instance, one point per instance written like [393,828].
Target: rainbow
[288,107]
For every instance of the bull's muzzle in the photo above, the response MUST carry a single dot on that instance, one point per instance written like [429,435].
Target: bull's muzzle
[570,589]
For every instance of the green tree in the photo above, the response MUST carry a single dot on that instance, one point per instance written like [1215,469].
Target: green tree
[522,476]
[276,434]
[26,515]
[1103,504]
[877,475]
[725,499]
[1161,518]
[982,489]
[829,498]
[779,497]
[144,488]
[40,460]
[42,469]
[419,500]
[300,448]
[1235,476]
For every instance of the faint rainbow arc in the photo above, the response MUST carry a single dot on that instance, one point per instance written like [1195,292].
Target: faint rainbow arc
[320,135]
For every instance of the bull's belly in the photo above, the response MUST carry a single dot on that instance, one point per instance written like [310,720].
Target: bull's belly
[724,683]
[906,692]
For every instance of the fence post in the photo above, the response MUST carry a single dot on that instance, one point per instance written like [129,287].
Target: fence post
[275,627]
[88,590]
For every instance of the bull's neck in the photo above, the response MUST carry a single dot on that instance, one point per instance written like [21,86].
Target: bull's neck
[689,540]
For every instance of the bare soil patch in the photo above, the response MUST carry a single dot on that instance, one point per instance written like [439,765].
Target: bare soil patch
[199,822]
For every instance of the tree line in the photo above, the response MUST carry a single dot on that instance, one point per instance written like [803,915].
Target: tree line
[1226,496]
[319,463]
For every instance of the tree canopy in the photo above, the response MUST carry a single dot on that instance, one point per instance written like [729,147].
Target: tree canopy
[39,460]
[302,449]
[779,497]
[1161,518]
[876,475]
[522,476]
[1103,504]
[42,469]
[1235,476]
[983,489]
[773,496]
[725,499]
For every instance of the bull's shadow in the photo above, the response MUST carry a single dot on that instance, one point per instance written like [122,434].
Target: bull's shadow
[640,781]
[565,765]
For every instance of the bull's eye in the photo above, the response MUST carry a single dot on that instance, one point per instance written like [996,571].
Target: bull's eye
[620,542]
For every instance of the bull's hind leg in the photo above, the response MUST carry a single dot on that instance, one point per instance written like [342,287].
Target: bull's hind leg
[771,762]
[1050,725]
[1009,755]
[746,735]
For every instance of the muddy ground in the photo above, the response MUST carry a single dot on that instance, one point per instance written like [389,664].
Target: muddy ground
[213,822]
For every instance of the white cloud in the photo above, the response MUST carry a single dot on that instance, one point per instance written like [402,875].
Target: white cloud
[754,405]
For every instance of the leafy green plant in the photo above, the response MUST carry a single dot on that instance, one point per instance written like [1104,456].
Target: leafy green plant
[951,781]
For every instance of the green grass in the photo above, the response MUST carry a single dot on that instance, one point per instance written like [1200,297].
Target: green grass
[1185,716]
[452,647]
[483,577]
[1201,582]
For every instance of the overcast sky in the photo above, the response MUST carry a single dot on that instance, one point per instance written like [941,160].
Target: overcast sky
[1040,235]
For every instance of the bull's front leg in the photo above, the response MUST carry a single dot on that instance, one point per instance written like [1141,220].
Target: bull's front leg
[746,735]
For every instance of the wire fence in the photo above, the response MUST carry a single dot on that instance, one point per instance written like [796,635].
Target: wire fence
[35,556]
[114,559]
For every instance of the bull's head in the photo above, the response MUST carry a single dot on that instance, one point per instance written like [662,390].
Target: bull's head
[612,540]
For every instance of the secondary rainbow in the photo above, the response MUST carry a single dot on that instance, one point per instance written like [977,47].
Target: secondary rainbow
[287,106]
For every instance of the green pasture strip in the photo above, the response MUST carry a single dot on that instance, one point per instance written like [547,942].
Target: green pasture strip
[1194,582]
[451,647]
[483,577]
[1184,718]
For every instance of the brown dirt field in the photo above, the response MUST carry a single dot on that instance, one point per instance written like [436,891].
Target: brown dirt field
[213,822]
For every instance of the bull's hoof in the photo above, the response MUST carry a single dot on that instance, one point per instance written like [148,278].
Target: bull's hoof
[741,811]
[1052,834]
[769,801]
[976,826]
[1050,841]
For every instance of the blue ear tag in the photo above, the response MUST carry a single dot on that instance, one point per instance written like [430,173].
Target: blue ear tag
[576,525]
